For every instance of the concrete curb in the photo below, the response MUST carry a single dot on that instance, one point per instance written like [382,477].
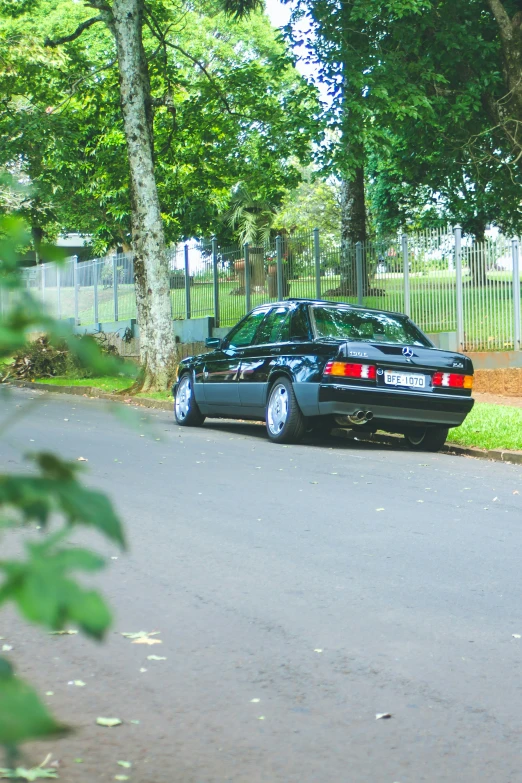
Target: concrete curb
[495,455]
[92,391]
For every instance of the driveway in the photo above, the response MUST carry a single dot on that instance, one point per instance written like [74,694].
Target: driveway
[298,592]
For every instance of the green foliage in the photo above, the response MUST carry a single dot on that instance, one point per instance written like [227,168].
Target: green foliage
[228,106]
[43,586]
[22,715]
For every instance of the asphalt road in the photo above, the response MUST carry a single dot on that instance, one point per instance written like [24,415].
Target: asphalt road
[298,592]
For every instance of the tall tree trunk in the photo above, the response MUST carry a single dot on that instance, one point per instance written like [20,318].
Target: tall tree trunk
[478,259]
[507,111]
[353,230]
[157,347]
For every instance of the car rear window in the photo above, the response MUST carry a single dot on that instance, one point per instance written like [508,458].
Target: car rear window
[363,325]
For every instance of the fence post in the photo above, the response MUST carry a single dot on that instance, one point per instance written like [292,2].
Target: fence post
[42,272]
[359,271]
[115,285]
[76,291]
[406,274]
[317,260]
[58,291]
[246,256]
[187,281]
[458,288]
[215,280]
[279,267]
[516,295]
[95,288]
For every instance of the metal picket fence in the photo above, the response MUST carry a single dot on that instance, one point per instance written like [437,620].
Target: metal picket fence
[444,281]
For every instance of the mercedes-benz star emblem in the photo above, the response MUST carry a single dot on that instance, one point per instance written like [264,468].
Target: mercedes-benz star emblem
[407,351]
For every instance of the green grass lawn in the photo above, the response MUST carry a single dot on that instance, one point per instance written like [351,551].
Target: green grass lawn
[490,427]
[107,384]
[487,426]
[110,384]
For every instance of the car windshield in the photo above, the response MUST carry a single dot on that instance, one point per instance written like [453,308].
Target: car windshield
[341,323]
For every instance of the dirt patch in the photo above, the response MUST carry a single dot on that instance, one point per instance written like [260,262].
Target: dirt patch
[502,383]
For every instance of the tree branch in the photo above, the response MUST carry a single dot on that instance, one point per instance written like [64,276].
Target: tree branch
[502,18]
[207,74]
[161,36]
[79,30]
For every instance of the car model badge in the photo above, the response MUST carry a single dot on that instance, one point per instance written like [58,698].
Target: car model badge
[458,364]
[407,351]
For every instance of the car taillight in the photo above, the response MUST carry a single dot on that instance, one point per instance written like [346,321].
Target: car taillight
[452,380]
[346,370]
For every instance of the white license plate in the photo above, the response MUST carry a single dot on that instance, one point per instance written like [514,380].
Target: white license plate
[405,379]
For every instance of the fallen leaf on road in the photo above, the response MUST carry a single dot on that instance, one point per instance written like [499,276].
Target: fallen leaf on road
[516,636]
[7,647]
[142,670]
[255,701]
[108,722]
[66,419]
[494,499]
[156,658]
[379,509]
[27,774]
[78,761]
[314,482]
[382,715]
[136,722]
[318,650]
[78,683]
[516,492]
[125,764]
[49,693]
[65,632]
[146,640]
[140,634]
[261,717]
[82,459]
[121,777]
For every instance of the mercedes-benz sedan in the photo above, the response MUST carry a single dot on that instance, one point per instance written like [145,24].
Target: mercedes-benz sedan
[301,365]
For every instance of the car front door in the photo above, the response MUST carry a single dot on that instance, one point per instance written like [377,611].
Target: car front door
[221,369]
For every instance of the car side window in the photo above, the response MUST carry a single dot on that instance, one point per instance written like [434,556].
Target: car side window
[299,328]
[275,328]
[243,334]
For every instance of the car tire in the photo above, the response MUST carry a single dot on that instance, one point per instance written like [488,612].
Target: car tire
[428,439]
[186,411]
[284,421]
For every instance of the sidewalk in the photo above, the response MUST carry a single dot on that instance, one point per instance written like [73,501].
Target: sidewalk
[497,399]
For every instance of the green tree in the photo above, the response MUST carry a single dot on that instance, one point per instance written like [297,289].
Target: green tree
[185,101]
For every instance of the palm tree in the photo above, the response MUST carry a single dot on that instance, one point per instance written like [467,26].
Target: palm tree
[251,218]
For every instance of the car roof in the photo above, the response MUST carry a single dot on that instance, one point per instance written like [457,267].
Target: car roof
[347,305]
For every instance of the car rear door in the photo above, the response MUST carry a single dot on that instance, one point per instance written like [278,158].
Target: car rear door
[221,368]
[258,359]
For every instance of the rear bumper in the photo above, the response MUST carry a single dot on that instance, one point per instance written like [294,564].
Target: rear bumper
[394,405]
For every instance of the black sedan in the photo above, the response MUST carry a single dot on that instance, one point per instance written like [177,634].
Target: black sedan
[301,365]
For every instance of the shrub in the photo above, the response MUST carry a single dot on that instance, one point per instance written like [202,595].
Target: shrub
[41,359]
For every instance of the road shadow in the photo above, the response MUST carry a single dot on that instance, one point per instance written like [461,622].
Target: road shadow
[349,440]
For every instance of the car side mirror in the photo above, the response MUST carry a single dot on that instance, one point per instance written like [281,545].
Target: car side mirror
[213,342]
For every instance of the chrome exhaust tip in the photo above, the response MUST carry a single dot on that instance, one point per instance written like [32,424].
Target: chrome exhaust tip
[359,417]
